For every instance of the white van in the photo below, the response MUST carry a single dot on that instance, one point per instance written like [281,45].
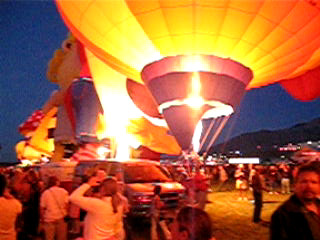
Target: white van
[139,177]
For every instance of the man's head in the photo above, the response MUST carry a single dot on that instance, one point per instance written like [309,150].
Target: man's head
[3,184]
[53,181]
[192,224]
[157,190]
[307,182]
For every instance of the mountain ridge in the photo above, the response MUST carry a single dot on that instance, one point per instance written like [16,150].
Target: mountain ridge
[265,140]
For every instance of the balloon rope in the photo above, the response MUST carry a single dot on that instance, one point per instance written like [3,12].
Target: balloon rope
[216,134]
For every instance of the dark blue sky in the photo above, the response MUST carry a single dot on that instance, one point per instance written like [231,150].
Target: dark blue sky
[30,31]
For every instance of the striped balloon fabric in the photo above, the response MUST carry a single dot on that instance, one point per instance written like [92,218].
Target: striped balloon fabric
[31,123]
[88,151]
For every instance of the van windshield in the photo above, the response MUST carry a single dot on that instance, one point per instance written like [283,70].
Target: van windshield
[144,174]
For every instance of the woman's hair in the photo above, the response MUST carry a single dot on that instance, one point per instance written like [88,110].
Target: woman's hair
[195,222]
[110,189]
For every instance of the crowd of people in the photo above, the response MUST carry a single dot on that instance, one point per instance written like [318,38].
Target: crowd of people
[34,209]
[297,218]
[277,178]
[37,209]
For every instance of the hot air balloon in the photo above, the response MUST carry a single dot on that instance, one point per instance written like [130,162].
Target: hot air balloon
[198,57]
[36,130]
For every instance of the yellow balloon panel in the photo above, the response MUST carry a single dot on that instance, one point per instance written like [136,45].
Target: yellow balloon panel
[147,6]
[170,48]
[143,48]
[110,27]
[259,28]
[115,11]
[174,3]
[224,46]
[235,29]
[213,4]
[124,43]
[209,20]
[183,44]
[202,40]
[98,19]
[178,20]
[149,27]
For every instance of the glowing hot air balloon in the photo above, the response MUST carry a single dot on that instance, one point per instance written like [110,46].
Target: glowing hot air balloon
[206,50]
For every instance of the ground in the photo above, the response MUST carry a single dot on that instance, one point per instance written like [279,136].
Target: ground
[232,219]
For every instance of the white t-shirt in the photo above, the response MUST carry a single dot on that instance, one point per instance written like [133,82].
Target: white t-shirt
[54,202]
[100,222]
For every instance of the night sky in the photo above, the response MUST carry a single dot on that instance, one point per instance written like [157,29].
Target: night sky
[30,32]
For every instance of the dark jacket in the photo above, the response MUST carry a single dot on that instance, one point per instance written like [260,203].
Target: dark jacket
[257,184]
[288,222]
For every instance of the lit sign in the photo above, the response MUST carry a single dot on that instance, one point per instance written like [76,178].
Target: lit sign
[244,160]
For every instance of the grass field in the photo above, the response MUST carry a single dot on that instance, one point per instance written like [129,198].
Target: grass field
[232,219]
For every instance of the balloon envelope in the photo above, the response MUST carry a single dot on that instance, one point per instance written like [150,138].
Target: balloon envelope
[276,39]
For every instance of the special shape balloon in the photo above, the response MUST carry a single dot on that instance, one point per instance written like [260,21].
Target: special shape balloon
[234,45]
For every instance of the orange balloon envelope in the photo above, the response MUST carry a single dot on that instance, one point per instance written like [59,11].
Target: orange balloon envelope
[234,45]
[275,39]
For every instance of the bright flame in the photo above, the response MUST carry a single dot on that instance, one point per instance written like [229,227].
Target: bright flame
[194,100]
[117,106]
[124,141]
[196,84]
[102,152]
[195,63]
[196,137]
[116,103]
[123,152]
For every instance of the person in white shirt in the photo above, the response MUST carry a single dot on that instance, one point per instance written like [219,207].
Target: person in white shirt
[10,208]
[103,211]
[53,209]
